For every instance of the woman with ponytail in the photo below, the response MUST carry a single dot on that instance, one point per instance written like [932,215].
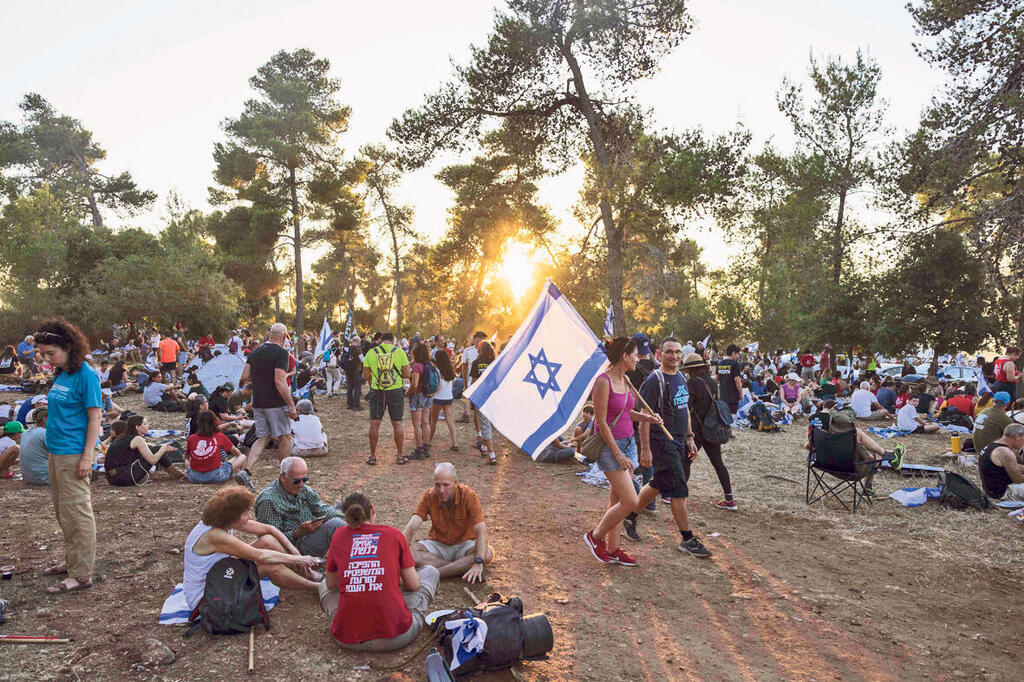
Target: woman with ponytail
[372,591]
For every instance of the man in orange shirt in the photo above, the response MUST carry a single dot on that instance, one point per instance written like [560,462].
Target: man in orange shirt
[169,349]
[457,542]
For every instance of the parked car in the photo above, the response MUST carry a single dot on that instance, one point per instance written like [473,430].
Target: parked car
[953,372]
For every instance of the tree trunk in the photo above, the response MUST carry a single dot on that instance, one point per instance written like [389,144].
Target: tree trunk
[398,265]
[94,209]
[612,232]
[300,300]
[837,239]
[1020,326]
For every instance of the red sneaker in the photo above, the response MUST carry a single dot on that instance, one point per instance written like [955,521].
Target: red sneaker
[728,505]
[597,548]
[620,557]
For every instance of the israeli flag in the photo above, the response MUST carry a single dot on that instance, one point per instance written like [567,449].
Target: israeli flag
[704,343]
[609,320]
[752,347]
[325,339]
[348,325]
[982,381]
[536,387]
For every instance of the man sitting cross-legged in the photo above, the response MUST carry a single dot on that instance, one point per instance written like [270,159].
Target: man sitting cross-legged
[457,542]
[295,509]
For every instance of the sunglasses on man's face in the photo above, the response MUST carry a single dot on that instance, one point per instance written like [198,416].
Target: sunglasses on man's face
[296,481]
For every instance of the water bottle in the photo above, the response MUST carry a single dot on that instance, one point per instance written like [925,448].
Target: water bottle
[954,442]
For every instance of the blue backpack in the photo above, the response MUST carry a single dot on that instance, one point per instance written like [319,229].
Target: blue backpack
[431,380]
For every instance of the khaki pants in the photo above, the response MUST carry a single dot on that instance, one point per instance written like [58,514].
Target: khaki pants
[72,501]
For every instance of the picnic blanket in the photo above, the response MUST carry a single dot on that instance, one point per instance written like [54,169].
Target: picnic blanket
[914,497]
[955,428]
[595,477]
[162,433]
[778,414]
[175,610]
[8,387]
[887,431]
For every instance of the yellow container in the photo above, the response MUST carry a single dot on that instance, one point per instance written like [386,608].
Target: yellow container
[954,442]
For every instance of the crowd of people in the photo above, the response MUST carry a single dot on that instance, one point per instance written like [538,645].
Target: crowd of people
[654,409]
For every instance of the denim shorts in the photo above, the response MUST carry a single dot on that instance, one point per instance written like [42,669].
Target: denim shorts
[224,473]
[442,401]
[606,460]
[418,401]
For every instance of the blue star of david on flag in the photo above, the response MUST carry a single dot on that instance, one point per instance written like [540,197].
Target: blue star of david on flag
[541,359]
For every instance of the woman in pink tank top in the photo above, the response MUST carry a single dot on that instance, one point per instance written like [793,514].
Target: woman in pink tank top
[613,417]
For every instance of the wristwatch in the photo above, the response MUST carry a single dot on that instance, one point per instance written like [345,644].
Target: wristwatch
[478,560]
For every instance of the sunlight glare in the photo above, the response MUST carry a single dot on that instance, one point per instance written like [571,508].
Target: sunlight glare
[517,268]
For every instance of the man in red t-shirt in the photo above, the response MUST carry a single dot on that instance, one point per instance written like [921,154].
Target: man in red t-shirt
[807,366]
[367,567]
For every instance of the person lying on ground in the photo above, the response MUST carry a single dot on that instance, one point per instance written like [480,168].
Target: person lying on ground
[868,450]
[129,457]
[371,570]
[457,542]
[910,420]
[212,457]
[10,439]
[1002,477]
[164,397]
[212,539]
[865,406]
[990,424]
[294,508]
[308,436]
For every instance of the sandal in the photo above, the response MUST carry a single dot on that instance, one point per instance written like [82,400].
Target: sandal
[56,569]
[63,586]
[493,459]
[372,460]
[402,460]
[454,448]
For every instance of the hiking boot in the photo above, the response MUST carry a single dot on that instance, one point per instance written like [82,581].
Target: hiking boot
[695,547]
[416,454]
[597,548]
[629,525]
[244,479]
[620,557]
[897,457]
[728,505]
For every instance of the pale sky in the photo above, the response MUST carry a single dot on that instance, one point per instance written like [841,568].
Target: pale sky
[154,80]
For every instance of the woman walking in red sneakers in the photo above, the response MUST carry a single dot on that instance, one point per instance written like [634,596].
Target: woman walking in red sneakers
[614,416]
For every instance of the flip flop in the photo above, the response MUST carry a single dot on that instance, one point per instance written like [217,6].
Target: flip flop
[402,460]
[372,461]
[56,569]
[62,586]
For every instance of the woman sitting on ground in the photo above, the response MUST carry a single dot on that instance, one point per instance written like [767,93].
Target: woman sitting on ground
[206,451]
[789,395]
[10,366]
[378,560]
[195,385]
[196,404]
[309,438]
[129,456]
[213,539]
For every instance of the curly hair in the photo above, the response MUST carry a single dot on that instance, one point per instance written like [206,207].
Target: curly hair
[56,331]
[227,506]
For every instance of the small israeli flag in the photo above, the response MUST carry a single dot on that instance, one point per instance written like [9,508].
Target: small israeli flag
[982,381]
[325,339]
[609,321]
[704,343]
[752,347]
[536,387]
[348,326]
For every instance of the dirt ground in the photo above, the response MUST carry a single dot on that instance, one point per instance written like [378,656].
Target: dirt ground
[792,592]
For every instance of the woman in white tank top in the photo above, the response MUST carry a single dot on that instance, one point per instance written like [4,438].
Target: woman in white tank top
[213,538]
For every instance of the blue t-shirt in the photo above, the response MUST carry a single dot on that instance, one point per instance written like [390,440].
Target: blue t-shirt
[26,350]
[673,406]
[886,398]
[23,410]
[67,417]
[35,467]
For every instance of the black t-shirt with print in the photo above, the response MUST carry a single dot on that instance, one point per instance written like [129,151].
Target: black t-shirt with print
[727,371]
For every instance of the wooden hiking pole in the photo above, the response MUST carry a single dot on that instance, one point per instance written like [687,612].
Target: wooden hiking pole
[252,651]
[19,639]
[646,406]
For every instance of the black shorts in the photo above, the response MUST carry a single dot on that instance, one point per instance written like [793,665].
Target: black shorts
[168,366]
[391,401]
[669,477]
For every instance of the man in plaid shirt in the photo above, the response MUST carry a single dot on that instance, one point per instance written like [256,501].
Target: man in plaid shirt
[295,509]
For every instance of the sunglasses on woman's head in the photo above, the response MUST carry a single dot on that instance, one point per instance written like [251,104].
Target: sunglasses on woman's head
[41,337]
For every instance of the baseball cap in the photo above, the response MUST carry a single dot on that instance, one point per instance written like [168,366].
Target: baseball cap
[643,343]
[41,398]
[13,427]
[1002,397]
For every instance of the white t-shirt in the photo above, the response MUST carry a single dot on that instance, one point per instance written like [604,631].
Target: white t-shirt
[6,411]
[468,358]
[906,418]
[444,390]
[861,401]
[6,442]
[153,393]
[309,433]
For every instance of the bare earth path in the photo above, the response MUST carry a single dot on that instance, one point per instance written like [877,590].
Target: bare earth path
[791,593]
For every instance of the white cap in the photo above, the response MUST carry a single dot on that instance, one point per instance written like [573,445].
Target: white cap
[278,329]
[792,377]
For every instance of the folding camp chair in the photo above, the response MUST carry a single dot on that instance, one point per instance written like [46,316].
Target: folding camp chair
[835,457]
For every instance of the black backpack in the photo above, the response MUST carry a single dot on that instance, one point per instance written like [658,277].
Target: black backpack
[957,492]
[232,602]
[716,426]
[951,415]
[760,418]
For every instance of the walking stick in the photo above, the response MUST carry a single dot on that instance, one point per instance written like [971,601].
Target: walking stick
[19,639]
[646,406]
[252,652]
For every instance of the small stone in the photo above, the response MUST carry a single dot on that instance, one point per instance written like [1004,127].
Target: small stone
[174,550]
[155,652]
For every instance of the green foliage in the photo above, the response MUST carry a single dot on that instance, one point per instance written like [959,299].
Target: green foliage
[56,150]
